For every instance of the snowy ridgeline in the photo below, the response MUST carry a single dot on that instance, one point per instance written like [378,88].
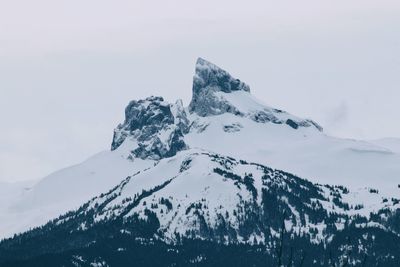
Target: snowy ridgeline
[219,200]
[210,196]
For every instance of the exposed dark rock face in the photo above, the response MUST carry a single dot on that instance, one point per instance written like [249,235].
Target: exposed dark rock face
[207,80]
[148,115]
[235,127]
[292,124]
[210,75]
[264,117]
[303,123]
[155,125]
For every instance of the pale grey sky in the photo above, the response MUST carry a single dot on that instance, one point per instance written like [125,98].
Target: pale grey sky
[68,68]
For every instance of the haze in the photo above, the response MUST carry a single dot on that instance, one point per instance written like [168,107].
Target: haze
[69,68]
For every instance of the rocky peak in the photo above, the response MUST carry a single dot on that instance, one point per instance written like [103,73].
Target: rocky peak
[209,75]
[216,92]
[208,80]
[179,113]
[154,127]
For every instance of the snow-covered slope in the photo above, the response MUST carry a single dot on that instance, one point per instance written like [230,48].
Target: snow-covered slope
[303,151]
[209,200]
[11,192]
[196,192]
[392,144]
[222,118]
[63,190]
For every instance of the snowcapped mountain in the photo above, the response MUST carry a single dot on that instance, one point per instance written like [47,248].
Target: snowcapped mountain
[196,193]
[223,115]
[224,170]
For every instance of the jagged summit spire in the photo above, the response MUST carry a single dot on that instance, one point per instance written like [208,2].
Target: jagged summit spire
[208,74]
[154,127]
[208,79]
[216,92]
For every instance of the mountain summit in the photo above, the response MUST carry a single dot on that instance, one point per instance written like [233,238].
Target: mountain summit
[208,80]
[216,92]
[155,129]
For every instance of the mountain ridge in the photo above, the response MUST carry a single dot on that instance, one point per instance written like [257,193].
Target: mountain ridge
[247,203]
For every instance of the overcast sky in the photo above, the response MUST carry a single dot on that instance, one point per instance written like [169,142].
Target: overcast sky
[68,68]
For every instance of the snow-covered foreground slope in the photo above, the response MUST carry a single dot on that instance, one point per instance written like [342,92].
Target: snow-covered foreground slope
[63,190]
[197,192]
[222,118]
[206,198]
[11,192]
